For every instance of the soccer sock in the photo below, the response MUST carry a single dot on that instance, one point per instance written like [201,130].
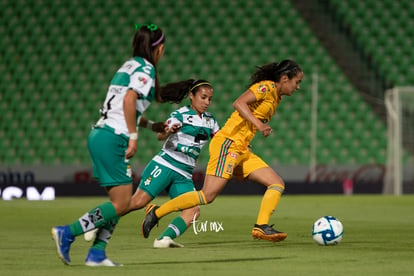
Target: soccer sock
[181,202]
[174,229]
[269,202]
[95,218]
[104,234]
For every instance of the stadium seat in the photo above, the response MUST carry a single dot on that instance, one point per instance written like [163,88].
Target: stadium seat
[62,67]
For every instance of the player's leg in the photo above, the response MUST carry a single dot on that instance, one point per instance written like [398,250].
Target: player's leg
[154,179]
[219,170]
[176,228]
[95,218]
[263,174]
[180,185]
[275,187]
[120,199]
[113,172]
[96,255]
[104,213]
[138,201]
[212,186]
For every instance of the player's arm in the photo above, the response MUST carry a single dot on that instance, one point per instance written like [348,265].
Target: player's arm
[130,118]
[241,104]
[141,82]
[156,127]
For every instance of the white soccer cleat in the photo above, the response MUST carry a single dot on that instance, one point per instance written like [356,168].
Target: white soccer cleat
[98,257]
[90,235]
[166,242]
[105,262]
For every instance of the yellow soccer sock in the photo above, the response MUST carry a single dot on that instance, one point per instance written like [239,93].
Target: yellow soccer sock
[181,202]
[269,202]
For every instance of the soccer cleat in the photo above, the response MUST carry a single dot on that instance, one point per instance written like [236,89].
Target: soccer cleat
[166,242]
[266,232]
[150,220]
[90,235]
[63,239]
[98,257]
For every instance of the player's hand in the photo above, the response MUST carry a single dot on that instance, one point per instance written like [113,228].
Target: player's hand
[266,130]
[132,149]
[168,131]
[174,128]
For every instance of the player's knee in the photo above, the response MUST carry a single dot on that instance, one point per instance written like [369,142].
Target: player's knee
[121,207]
[137,203]
[139,200]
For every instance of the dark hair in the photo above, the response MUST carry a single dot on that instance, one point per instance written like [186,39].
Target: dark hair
[146,39]
[275,70]
[175,92]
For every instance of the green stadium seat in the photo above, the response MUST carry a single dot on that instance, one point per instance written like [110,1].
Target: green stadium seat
[72,51]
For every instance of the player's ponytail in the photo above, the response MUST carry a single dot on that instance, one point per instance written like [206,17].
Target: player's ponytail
[175,92]
[146,39]
[275,70]
[287,67]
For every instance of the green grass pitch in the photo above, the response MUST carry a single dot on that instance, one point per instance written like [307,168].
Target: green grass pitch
[378,239]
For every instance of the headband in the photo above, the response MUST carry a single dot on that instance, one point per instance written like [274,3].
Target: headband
[200,84]
[152,28]
[158,41]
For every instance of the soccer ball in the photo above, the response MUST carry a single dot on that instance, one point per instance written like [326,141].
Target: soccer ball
[327,231]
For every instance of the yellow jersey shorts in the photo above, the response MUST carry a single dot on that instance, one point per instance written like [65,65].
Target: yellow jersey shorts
[228,160]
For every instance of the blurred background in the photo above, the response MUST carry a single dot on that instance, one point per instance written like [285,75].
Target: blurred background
[58,57]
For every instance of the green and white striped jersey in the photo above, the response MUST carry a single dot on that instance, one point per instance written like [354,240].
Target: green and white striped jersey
[181,150]
[137,74]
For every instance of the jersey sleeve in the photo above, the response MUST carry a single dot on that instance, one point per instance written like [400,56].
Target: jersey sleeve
[260,89]
[216,128]
[141,83]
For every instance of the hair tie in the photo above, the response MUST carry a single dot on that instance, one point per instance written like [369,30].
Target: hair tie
[152,27]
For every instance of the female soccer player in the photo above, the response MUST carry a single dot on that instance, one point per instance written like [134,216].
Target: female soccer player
[230,154]
[113,141]
[190,128]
